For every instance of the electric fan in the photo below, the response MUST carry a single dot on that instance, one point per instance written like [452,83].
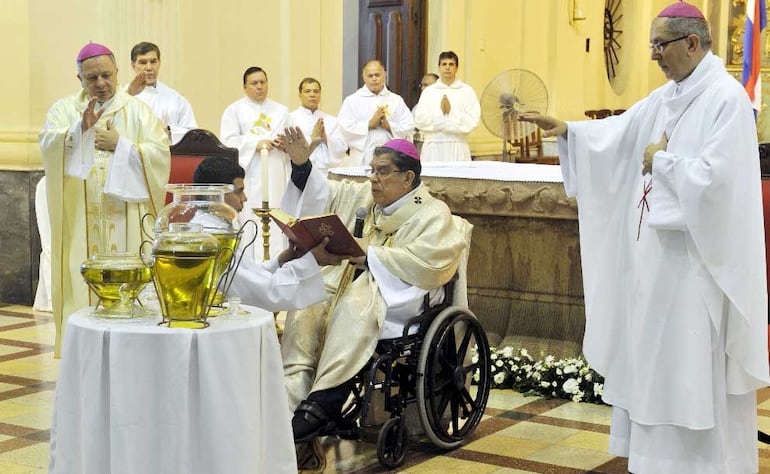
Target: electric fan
[509,94]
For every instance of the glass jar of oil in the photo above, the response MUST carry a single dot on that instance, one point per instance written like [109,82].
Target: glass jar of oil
[184,260]
[205,205]
[117,279]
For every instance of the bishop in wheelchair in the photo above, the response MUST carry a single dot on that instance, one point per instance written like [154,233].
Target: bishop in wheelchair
[413,246]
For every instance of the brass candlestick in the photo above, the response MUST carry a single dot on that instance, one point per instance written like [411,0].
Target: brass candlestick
[264,215]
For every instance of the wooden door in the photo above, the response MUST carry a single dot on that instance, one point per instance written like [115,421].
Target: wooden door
[393,31]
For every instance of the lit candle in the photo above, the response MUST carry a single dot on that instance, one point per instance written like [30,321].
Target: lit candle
[265,176]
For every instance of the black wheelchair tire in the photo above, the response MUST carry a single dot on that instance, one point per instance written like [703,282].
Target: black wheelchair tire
[442,373]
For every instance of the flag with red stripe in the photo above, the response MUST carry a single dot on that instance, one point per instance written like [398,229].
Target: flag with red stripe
[756,20]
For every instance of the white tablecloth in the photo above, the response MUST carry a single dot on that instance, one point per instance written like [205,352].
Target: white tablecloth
[138,398]
[490,170]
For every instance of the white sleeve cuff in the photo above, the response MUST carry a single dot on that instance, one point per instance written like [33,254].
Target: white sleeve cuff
[125,175]
[79,151]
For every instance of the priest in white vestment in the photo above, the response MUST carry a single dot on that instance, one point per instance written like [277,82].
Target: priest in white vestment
[106,159]
[373,115]
[169,105]
[331,151]
[251,124]
[446,113]
[413,246]
[672,245]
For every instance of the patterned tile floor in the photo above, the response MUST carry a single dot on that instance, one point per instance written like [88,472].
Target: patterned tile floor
[518,435]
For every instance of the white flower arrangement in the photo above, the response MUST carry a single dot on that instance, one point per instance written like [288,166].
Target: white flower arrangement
[571,379]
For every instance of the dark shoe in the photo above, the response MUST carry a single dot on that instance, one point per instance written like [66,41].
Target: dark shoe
[309,421]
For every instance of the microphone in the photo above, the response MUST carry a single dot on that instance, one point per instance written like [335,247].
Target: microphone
[358,230]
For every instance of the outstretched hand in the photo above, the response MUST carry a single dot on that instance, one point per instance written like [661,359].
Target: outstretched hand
[136,86]
[292,141]
[89,116]
[551,126]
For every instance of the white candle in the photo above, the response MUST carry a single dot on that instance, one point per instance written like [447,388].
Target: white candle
[265,175]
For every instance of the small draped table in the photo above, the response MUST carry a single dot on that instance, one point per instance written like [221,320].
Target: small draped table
[134,397]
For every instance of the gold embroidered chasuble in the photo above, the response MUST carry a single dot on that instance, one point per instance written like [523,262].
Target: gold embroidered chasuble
[419,243]
[85,220]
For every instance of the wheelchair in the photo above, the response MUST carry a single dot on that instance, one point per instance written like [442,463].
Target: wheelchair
[432,368]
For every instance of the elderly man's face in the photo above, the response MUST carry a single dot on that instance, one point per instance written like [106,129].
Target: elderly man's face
[374,77]
[387,182]
[256,86]
[99,77]
[677,60]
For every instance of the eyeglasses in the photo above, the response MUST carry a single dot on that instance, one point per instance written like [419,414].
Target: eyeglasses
[659,47]
[380,173]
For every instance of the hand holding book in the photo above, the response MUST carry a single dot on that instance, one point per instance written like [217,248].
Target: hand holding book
[307,232]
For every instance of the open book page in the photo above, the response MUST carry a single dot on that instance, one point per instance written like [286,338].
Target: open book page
[307,232]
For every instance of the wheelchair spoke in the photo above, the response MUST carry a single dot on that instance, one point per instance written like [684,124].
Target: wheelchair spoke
[469,401]
[446,356]
[463,349]
[445,399]
[455,415]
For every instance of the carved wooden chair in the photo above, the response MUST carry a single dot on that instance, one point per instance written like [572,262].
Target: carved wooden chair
[195,146]
[528,148]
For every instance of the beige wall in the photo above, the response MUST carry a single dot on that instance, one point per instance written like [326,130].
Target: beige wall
[207,45]
[205,48]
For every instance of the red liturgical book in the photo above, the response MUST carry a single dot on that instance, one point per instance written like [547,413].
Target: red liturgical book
[307,232]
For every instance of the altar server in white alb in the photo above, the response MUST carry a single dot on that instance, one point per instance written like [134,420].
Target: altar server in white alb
[169,105]
[251,124]
[292,279]
[332,150]
[373,115]
[106,159]
[447,112]
[672,245]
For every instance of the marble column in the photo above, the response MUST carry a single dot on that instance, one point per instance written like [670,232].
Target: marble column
[19,238]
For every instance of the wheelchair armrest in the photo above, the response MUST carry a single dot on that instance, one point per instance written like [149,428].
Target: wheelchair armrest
[430,311]
[426,316]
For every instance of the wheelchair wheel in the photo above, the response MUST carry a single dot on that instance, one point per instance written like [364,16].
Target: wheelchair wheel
[450,407]
[391,443]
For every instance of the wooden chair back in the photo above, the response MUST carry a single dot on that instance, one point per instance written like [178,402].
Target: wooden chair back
[195,146]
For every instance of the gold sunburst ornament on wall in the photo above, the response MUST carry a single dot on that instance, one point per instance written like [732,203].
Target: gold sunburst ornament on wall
[613,18]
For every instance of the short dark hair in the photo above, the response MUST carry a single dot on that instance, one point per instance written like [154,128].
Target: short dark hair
[217,170]
[309,80]
[143,48]
[449,55]
[251,70]
[403,162]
